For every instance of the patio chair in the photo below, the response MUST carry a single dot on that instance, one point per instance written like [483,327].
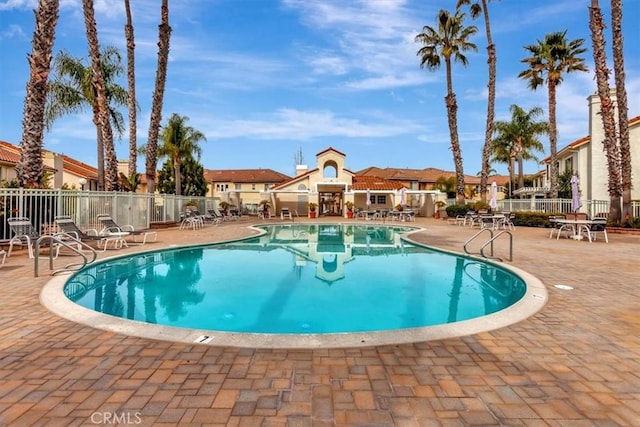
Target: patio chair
[555,226]
[409,215]
[597,226]
[4,257]
[25,233]
[110,228]
[471,219]
[191,219]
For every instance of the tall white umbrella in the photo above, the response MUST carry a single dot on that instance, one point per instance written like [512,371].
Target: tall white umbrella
[494,196]
[576,203]
[368,198]
[403,200]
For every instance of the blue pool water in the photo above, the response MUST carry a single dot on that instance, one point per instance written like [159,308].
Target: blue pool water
[298,279]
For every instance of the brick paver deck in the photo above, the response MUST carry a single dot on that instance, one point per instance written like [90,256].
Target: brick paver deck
[576,362]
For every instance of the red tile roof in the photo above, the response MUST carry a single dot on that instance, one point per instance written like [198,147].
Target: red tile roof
[370,182]
[78,168]
[266,176]
[426,175]
[295,178]
[9,153]
[331,149]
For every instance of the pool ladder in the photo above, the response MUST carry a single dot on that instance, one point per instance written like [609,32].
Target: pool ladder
[489,243]
[68,242]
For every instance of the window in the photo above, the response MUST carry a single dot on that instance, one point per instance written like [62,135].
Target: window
[217,187]
[226,187]
[238,186]
[253,186]
[568,164]
[381,199]
[266,187]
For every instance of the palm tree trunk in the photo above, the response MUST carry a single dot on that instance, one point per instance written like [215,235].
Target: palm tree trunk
[623,113]
[452,110]
[131,82]
[30,168]
[177,176]
[158,96]
[520,171]
[491,101]
[596,26]
[520,152]
[111,170]
[512,175]
[100,149]
[553,140]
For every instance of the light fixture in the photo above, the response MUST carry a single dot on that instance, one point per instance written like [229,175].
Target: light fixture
[82,183]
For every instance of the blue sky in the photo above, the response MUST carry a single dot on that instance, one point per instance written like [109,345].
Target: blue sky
[265,78]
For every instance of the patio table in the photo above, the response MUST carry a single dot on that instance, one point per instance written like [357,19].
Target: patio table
[575,225]
[494,220]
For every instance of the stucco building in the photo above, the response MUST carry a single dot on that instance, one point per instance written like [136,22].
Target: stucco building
[586,156]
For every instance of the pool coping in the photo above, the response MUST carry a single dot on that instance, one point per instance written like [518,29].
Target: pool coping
[52,297]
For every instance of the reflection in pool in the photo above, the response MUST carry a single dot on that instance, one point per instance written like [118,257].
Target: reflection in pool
[298,279]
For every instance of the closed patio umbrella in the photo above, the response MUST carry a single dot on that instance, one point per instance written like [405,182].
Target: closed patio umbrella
[403,200]
[576,203]
[368,198]
[494,196]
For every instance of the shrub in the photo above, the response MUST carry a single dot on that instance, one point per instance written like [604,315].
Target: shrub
[477,206]
[455,210]
[633,222]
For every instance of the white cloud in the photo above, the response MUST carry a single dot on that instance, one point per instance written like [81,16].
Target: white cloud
[12,31]
[294,124]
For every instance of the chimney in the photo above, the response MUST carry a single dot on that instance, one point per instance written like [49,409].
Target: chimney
[301,169]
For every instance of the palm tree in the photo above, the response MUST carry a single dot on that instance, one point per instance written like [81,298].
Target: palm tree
[131,85]
[446,185]
[129,183]
[30,169]
[475,9]
[623,114]
[101,104]
[607,110]
[179,142]
[518,139]
[548,61]
[449,41]
[72,90]
[158,96]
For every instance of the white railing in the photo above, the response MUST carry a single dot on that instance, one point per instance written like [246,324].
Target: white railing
[137,209]
[141,209]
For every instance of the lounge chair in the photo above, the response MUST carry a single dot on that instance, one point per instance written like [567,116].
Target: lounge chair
[285,213]
[24,233]
[217,216]
[206,218]
[110,228]
[67,226]
[4,257]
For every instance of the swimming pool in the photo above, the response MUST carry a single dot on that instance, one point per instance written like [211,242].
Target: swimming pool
[310,280]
